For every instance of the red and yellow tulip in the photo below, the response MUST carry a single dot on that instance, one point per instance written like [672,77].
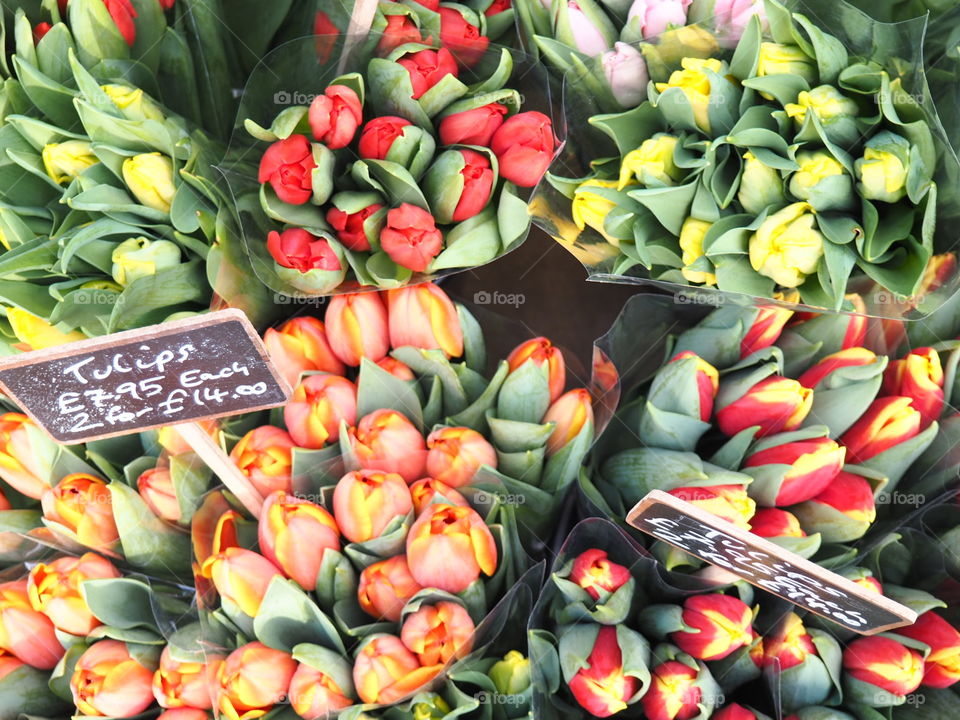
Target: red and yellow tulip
[19,462]
[454,454]
[851,357]
[597,574]
[265,456]
[82,503]
[385,671]
[884,663]
[185,684]
[252,680]
[776,404]
[729,502]
[423,492]
[721,625]
[542,352]
[941,669]
[156,488]
[765,329]
[424,317]
[774,522]
[449,546]
[107,680]
[569,413]
[54,590]
[25,633]
[602,687]
[708,382]
[673,693]
[317,407]
[386,440]
[301,345]
[314,694]
[357,327]
[918,376]
[288,525]
[241,576]
[889,421]
[813,465]
[367,501]
[437,633]
[385,587]
[788,645]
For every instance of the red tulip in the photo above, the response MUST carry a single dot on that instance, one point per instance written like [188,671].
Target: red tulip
[429,4]
[400,30]
[602,688]
[378,136]
[673,693]
[156,488]
[300,345]
[108,680]
[123,14]
[542,352]
[335,116]
[40,30]
[288,166]
[411,237]
[734,712]
[265,456]
[385,587]
[463,38]
[424,317]
[788,645]
[427,68]
[884,663]
[455,454]
[287,525]
[765,330]
[708,382]
[889,421]
[423,491]
[774,522]
[856,334]
[524,145]
[720,624]
[850,357]
[497,7]
[776,404]
[918,376]
[597,574]
[385,440]
[349,227]
[472,127]
[357,327]
[317,407]
[477,184]
[941,669]
[327,32]
[296,248]
[449,546]
[25,633]
[366,502]
[814,464]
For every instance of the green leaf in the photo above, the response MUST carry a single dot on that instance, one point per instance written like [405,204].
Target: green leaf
[377,388]
[147,541]
[288,617]
[525,394]
[123,603]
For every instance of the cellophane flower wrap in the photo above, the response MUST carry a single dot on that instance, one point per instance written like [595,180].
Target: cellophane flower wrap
[808,158]
[409,161]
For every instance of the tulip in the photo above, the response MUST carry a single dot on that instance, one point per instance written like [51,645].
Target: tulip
[351,227]
[787,247]
[654,17]
[775,523]
[379,135]
[365,503]
[731,18]
[729,502]
[139,257]
[626,74]
[789,645]
[385,587]
[301,251]
[822,181]
[881,663]
[708,381]
[25,633]
[54,589]
[396,368]
[35,333]
[424,317]
[889,421]
[864,579]
[597,574]
[149,176]
[546,356]
[851,357]
[288,166]
[478,179]
[760,185]
[735,711]
[695,85]
[777,59]
[40,31]
[82,504]
[570,413]
[184,714]
[133,103]
[765,329]
[511,676]
[437,633]
[691,237]
[423,492]
[472,127]
[651,164]
[264,455]
[357,327]
[776,404]
[241,576]
[449,546]
[108,680]
[813,465]
[497,7]
[673,693]
[524,145]
[400,30]
[589,32]
[185,684]
[335,116]
[602,687]
[428,67]
[385,671]
[721,624]
[455,454]
[590,209]
[842,511]
[313,693]
[385,440]
[411,237]
[834,111]
[463,39]
[20,465]
[252,680]
[883,169]
[319,404]
[156,488]
[918,376]
[941,669]
[301,345]
[64,161]
[289,524]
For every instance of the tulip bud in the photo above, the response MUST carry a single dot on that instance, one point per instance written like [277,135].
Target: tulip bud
[597,574]
[841,512]
[64,161]
[812,465]
[357,219]
[25,633]
[288,165]
[736,711]
[546,356]
[822,181]
[524,146]
[777,59]
[288,524]
[133,103]
[691,237]
[761,186]
[252,680]
[472,127]
[775,523]
[241,577]
[889,421]
[583,26]
[786,247]
[428,67]
[309,263]
[464,38]
[21,448]
[511,676]
[673,692]
[601,686]
[139,257]
[423,316]
[35,333]
[149,176]
[82,504]
[385,440]
[335,116]
[367,502]
[879,671]
[729,502]
[319,404]
[357,327]
[570,413]
[300,345]
[385,587]
[695,84]
[185,684]
[864,578]
[156,488]
[428,490]
[396,368]
[456,454]
[55,590]
[652,164]
[918,376]
[720,624]
[459,185]
[264,455]
[449,546]
[626,74]
[385,671]
[108,680]
[941,669]
[765,329]
[884,167]
[851,357]
[789,645]
[775,404]
[184,714]
[315,694]
[437,633]
[825,101]
[411,237]
[590,209]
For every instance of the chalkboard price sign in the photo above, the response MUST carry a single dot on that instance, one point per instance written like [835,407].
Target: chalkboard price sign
[212,365]
[766,565]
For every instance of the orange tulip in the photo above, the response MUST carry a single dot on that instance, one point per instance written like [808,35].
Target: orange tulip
[449,546]
[252,680]
[301,345]
[570,413]
[542,352]
[241,576]
[456,453]
[424,317]
[720,624]
[884,663]
[314,694]
[156,489]
[601,686]
[54,590]
[385,440]
[887,422]
[918,376]
[357,327]
[170,440]
[24,632]
[82,504]
[788,645]
[366,502]
[185,684]
[396,368]
[19,465]
[317,407]
[597,574]
[265,456]
[774,522]
[184,714]
[385,671]
[765,330]
[289,524]
[423,491]
[729,502]
[776,404]
[107,680]
[385,587]
[850,357]
[437,633]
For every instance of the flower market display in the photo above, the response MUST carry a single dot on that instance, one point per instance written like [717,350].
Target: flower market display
[432,524]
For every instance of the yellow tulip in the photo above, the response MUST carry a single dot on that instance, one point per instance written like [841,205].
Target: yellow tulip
[760,185]
[149,176]
[787,247]
[64,161]
[139,257]
[651,164]
[825,101]
[691,243]
[777,59]
[36,333]
[695,84]
[883,168]
[814,167]
[590,209]
[133,103]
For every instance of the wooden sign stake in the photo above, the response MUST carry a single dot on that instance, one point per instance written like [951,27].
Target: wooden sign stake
[360,22]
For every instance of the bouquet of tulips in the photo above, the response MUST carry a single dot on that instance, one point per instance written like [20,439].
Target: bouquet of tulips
[790,163]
